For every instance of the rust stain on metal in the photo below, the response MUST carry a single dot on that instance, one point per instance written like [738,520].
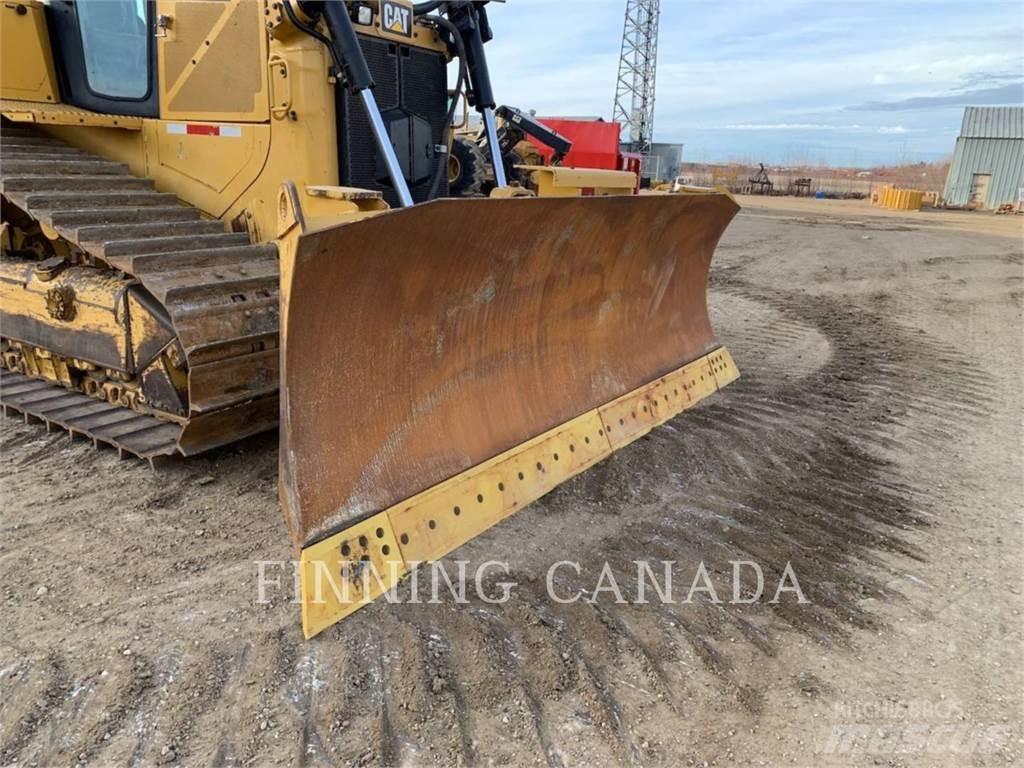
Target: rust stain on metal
[450,332]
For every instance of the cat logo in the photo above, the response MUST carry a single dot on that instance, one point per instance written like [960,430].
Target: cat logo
[396,18]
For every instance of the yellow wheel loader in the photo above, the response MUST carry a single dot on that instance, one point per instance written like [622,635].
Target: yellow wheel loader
[220,216]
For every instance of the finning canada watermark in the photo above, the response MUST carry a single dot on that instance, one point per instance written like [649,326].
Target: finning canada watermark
[566,581]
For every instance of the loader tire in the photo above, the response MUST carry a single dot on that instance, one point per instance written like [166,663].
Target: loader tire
[467,168]
[517,175]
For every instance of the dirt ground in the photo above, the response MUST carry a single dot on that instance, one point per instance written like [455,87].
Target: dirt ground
[874,443]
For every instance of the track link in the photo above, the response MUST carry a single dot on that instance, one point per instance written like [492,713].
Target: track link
[219,290]
[130,432]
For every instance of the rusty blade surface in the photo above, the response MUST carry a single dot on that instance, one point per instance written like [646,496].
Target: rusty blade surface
[423,341]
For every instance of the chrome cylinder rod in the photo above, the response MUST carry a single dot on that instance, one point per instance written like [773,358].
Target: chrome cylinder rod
[497,162]
[380,133]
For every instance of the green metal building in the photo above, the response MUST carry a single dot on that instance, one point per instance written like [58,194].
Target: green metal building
[988,163]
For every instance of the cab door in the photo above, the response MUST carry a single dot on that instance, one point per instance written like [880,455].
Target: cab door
[212,61]
[105,55]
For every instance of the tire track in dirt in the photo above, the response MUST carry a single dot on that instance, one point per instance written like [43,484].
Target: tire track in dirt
[36,703]
[793,463]
[509,659]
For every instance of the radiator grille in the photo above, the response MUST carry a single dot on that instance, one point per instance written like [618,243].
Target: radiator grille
[412,93]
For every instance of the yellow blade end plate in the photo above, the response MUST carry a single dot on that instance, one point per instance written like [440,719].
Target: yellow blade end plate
[347,570]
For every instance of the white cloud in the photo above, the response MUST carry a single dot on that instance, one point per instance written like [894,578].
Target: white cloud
[768,72]
[884,129]
[790,127]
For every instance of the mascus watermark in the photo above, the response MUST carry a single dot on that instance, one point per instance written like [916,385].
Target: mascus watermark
[566,581]
[917,727]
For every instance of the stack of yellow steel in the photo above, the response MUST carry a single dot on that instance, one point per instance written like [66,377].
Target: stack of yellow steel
[896,199]
[878,194]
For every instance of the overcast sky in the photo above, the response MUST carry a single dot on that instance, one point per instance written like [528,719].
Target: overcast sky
[783,81]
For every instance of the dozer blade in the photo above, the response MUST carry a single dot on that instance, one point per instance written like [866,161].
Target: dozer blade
[446,364]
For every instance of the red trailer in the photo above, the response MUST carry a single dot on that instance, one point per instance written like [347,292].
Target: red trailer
[595,144]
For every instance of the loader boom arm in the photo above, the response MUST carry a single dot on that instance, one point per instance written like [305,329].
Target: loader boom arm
[525,125]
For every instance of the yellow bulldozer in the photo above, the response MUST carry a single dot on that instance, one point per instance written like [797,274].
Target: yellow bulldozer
[221,216]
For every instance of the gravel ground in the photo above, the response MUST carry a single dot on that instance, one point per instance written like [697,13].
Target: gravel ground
[874,444]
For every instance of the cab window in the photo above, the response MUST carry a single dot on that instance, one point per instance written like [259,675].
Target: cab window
[115,45]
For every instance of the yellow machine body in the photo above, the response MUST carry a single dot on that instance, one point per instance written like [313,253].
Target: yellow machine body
[219,66]
[558,181]
[440,366]
[26,62]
